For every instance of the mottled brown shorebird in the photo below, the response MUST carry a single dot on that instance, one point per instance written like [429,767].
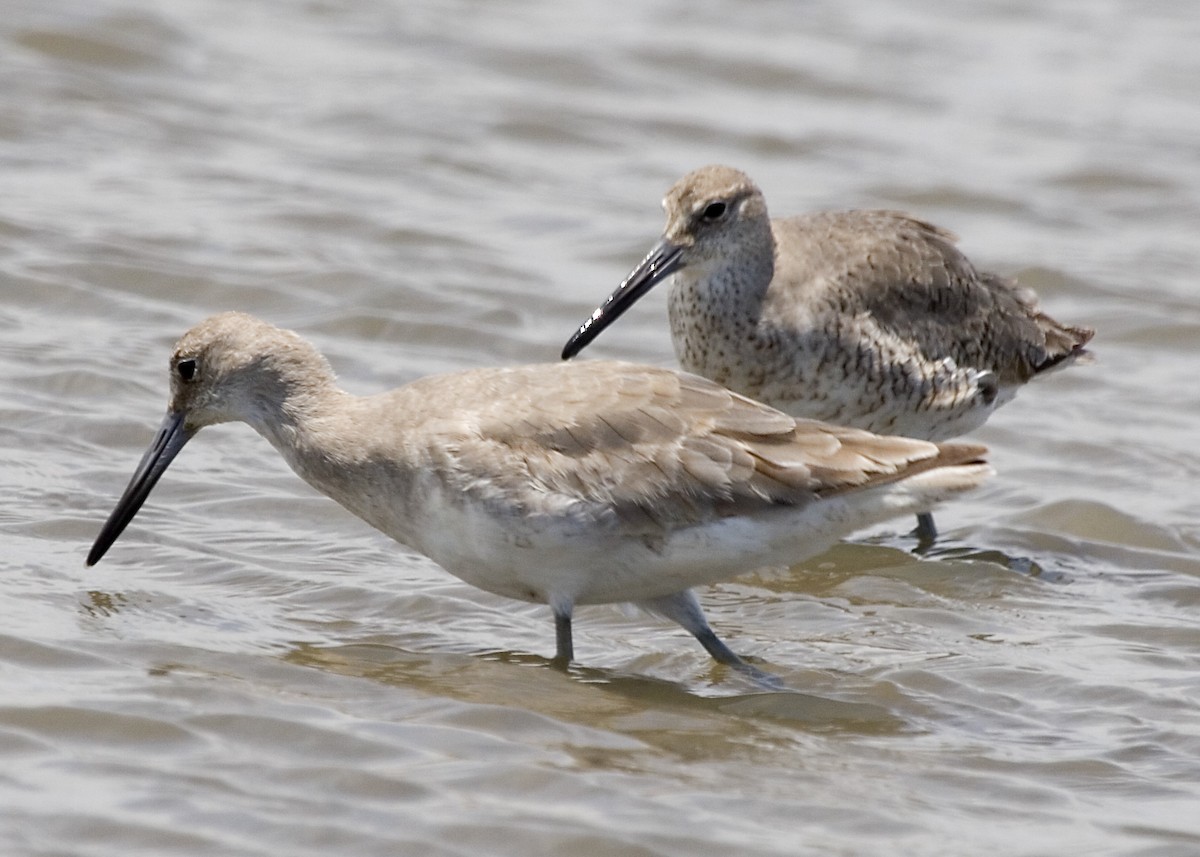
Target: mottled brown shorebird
[562,484]
[872,319]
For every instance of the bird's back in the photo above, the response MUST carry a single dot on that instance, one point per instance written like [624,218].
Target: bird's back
[614,467]
[876,319]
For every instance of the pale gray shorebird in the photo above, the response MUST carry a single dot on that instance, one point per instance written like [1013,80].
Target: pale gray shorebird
[561,484]
[871,319]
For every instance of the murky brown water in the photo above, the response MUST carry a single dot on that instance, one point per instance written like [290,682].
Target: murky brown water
[426,186]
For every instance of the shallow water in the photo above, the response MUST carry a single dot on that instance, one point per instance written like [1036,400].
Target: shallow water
[420,187]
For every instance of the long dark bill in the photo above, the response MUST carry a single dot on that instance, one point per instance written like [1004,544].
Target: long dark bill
[660,263]
[171,437]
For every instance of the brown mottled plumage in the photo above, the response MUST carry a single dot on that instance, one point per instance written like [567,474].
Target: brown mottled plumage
[563,483]
[871,319]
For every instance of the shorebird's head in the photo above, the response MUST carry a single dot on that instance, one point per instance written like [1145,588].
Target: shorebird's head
[229,367]
[235,367]
[714,215]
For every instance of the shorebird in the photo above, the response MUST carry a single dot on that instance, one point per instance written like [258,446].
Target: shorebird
[871,319]
[561,484]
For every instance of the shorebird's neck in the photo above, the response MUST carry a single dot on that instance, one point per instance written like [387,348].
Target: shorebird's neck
[716,305]
[359,451]
[318,428]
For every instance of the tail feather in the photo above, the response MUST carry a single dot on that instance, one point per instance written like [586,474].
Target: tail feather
[1064,344]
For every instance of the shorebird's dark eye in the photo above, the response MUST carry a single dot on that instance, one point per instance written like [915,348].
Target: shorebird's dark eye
[186,368]
[714,211]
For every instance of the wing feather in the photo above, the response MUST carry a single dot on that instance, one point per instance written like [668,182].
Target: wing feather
[649,447]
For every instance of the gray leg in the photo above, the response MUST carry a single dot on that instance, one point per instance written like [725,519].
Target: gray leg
[682,607]
[926,531]
[564,644]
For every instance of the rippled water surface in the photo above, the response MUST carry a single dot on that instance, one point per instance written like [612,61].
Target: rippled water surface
[425,186]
